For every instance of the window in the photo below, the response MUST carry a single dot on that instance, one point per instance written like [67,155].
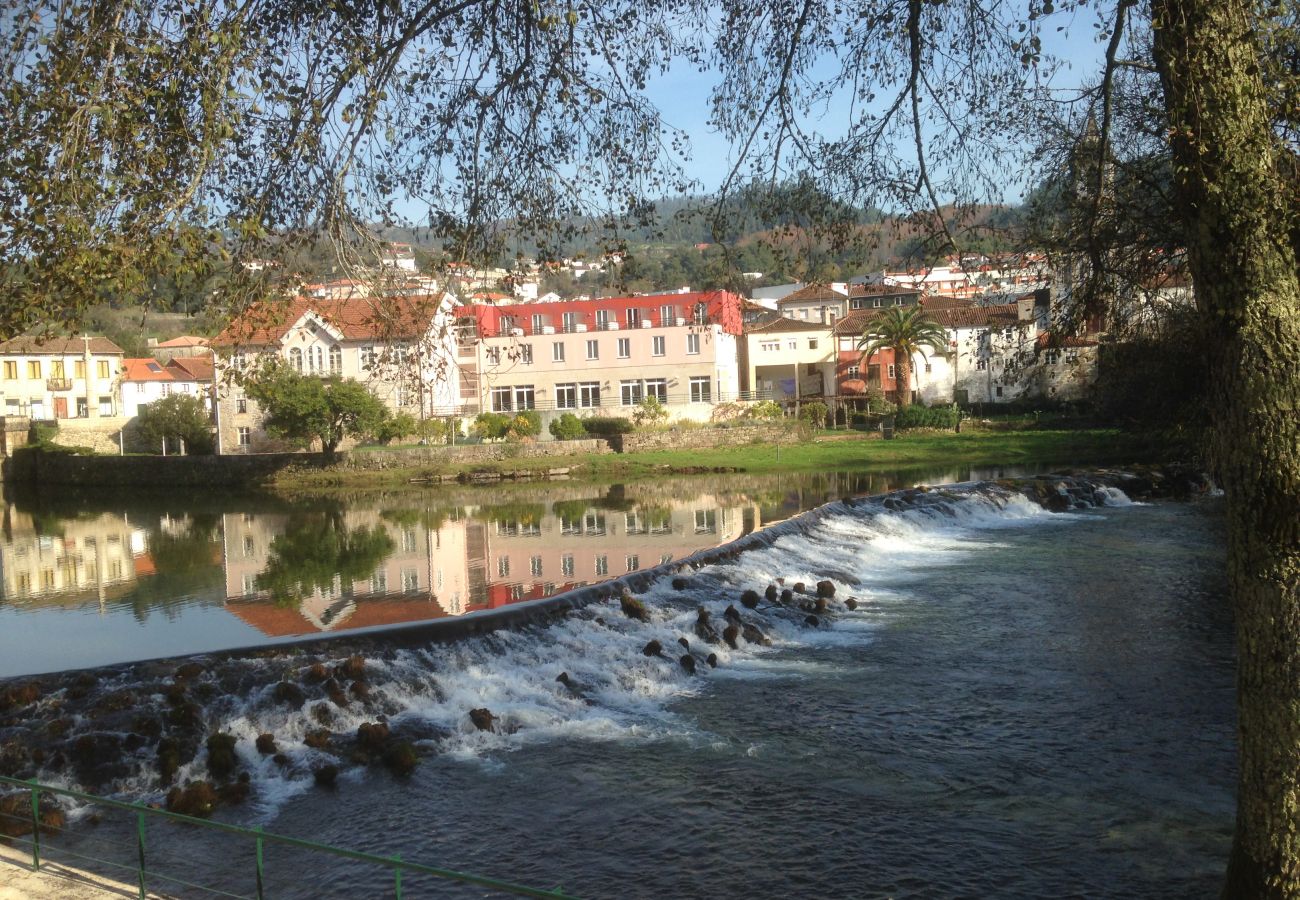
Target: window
[657,347]
[367,358]
[34,368]
[657,388]
[566,396]
[78,369]
[692,343]
[493,355]
[632,393]
[593,522]
[507,324]
[701,390]
[241,406]
[379,583]
[769,345]
[1071,356]
[928,368]
[410,580]
[316,359]
[403,397]
[701,313]
[569,322]
[336,360]
[408,540]
[537,323]
[250,546]
[891,371]
[566,564]
[166,390]
[11,370]
[981,364]
[602,565]
[803,313]
[589,394]
[593,350]
[706,521]
[557,351]
[1051,357]
[106,406]
[633,318]
[602,318]
[525,397]
[239,360]
[667,315]
[792,345]
[852,371]
[633,562]
[535,566]
[624,348]
[526,354]
[503,566]
[998,390]
[295,360]
[245,436]
[57,370]
[502,399]
[812,343]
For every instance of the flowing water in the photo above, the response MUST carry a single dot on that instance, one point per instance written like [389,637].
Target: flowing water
[1022,704]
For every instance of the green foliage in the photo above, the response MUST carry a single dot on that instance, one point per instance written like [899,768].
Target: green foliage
[527,423]
[490,426]
[907,331]
[316,547]
[395,427]
[649,413]
[765,411]
[438,431]
[608,426]
[176,417]
[814,414]
[567,427]
[303,408]
[917,416]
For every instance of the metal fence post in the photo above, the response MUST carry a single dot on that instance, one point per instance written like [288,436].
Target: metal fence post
[397,878]
[36,826]
[258,829]
[139,845]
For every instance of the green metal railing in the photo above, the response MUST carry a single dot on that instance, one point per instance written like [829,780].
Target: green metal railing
[260,838]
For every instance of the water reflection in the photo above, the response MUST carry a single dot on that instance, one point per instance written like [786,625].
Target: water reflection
[92,579]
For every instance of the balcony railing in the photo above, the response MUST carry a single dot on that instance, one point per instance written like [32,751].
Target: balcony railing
[58,384]
[517,329]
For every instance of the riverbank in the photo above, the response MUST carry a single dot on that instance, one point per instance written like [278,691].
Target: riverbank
[827,452]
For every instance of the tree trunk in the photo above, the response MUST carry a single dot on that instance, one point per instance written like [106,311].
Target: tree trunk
[1233,201]
[903,376]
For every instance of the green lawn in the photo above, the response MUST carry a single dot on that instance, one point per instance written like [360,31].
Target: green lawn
[833,451]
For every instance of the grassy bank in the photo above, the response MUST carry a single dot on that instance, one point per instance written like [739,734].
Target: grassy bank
[826,453]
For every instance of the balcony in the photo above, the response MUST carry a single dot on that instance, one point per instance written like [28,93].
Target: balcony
[58,384]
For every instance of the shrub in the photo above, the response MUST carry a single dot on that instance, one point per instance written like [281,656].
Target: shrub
[438,431]
[766,410]
[727,412]
[567,427]
[607,426]
[491,426]
[395,427]
[526,423]
[917,416]
[814,414]
[649,412]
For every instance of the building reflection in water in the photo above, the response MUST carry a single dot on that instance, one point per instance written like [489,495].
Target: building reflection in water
[279,577]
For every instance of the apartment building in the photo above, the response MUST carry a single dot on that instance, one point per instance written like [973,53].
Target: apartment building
[401,347]
[604,356]
[787,360]
[60,377]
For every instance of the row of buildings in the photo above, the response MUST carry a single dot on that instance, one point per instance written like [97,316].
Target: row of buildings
[425,353]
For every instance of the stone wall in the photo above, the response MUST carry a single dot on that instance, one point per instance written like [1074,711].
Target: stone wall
[150,471]
[467,453]
[101,434]
[13,433]
[700,438]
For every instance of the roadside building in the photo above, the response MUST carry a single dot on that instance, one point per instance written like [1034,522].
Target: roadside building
[603,356]
[401,347]
[60,377]
[787,360]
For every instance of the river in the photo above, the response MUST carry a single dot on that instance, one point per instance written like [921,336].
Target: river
[1022,704]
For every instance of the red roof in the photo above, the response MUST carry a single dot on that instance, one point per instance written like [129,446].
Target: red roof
[356,318]
[58,346]
[931,302]
[185,340]
[977,316]
[813,292]
[1047,340]
[191,368]
[145,370]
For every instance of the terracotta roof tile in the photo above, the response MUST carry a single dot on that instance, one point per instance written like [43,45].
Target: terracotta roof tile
[356,318]
[185,340]
[58,346]
[813,292]
[145,370]
[977,316]
[191,368]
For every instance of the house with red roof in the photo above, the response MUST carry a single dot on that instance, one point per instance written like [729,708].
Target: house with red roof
[401,346]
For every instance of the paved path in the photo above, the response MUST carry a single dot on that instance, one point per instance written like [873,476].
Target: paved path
[56,880]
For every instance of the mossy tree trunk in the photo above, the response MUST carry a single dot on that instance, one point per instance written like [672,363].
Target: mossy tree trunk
[1234,201]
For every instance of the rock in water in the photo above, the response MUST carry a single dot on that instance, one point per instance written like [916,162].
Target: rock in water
[482,718]
[703,629]
[851,603]
[372,736]
[685,643]
[680,584]
[753,635]
[401,758]
[712,660]
[787,595]
[633,608]
[800,587]
[574,687]
[770,593]
[325,775]
[749,599]
[654,648]
[688,664]
[729,634]
[266,744]
[812,621]
[732,615]
[825,589]
[221,755]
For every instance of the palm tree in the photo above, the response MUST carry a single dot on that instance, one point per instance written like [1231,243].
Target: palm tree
[905,330]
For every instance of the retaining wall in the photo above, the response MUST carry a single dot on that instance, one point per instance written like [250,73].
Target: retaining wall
[700,438]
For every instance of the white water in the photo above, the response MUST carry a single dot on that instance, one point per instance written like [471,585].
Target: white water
[882,559]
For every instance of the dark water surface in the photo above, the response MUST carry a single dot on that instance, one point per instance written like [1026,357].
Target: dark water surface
[1027,705]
